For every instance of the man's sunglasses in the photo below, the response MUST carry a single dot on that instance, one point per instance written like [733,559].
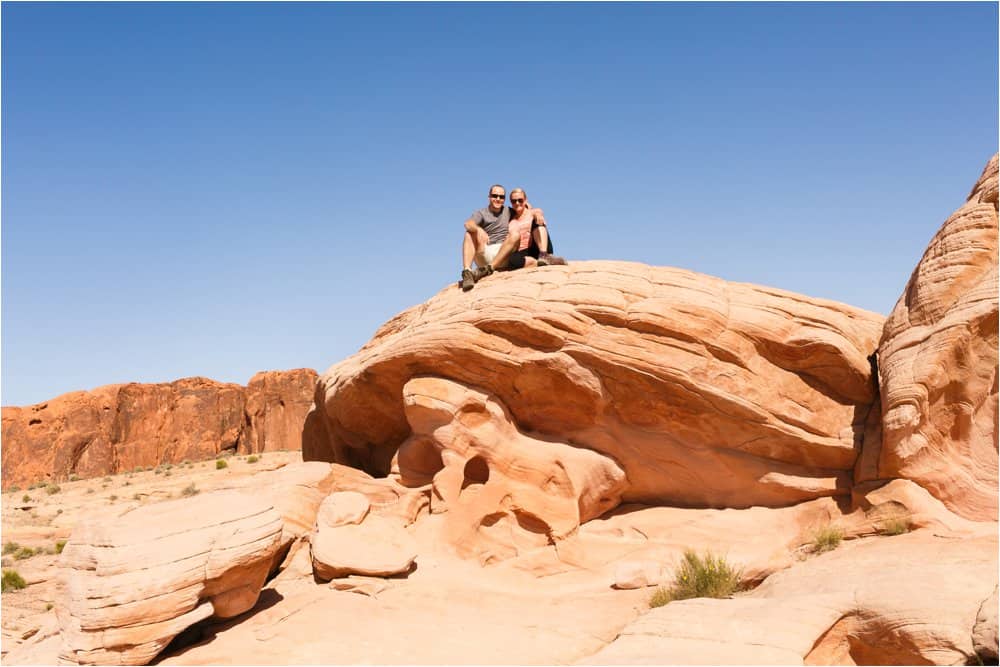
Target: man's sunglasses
[517,201]
[497,196]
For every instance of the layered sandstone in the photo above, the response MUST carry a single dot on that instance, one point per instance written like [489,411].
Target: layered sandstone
[938,359]
[121,427]
[846,607]
[130,584]
[704,392]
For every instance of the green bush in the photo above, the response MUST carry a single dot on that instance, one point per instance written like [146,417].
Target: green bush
[12,581]
[26,498]
[220,464]
[661,596]
[73,477]
[705,576]
[894,526]
[52,489]
[827,538]
[10,547]
[24,552]
[253,459]
[60,545]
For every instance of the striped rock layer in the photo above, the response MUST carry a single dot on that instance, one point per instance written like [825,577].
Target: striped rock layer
[938,359]
[129,585]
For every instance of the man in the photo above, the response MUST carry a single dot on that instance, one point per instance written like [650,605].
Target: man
[487,239]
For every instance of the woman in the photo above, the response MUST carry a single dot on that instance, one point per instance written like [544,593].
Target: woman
[529,225]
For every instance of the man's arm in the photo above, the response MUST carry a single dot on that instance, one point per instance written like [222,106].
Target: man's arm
[539,216]
[474,222]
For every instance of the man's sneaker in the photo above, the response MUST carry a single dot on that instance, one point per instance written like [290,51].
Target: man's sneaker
[482,272]
[545,259]
[468,280]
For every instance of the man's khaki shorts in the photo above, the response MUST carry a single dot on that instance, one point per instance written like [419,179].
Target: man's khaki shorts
[488,255]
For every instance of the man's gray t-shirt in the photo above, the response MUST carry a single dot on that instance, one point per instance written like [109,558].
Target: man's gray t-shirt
[494,224]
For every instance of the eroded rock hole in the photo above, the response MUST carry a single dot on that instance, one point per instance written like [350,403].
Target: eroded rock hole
[476,472]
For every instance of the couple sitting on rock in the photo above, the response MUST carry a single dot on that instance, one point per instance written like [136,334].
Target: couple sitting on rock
[499,238]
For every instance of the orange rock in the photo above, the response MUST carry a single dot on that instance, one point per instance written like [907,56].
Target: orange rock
[938,359]
[116,428]
[127,587]
[706,393]
[277,403]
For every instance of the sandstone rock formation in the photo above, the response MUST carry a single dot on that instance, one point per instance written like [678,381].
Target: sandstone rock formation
[703,392]
[120,427]
[938,359]
[348,540]
[129,586]
[503,490]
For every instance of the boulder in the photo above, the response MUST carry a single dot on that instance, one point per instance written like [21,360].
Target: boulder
[984,634]
[119,427]
[938,360]
[127,587]
[348,540]
[705,393]
[639,574]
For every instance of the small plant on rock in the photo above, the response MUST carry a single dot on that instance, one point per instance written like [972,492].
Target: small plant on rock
[220,464]
[24,552]
[52,489]
[12,581]
[10,547]
[14,489]
[189,490]
[60,545]
[73,477]
[705,576]
[894,526]
[253,459]
[827,538]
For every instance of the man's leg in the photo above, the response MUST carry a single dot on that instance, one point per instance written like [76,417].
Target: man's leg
[473,246]
[510,244]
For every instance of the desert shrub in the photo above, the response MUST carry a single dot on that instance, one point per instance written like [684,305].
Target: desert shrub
[827,538]
[894,526]
[157,472]
[48,606]
[220,464]
[25,552]
[10,547]
[60,545]
[107,479]
[26,498]
[189,490]
[705,576]
[660,597]
[167,473]
[90,491]
[253,459]
[73,477]
[12,581]
[14,489]
[52,489]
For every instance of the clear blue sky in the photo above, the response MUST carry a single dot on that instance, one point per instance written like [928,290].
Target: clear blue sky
[216,189]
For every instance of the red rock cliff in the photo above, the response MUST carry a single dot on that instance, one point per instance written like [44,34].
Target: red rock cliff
[119,427]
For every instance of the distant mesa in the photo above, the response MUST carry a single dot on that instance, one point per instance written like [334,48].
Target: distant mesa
[117,428]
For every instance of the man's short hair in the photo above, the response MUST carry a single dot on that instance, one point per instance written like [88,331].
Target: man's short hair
[496,185]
